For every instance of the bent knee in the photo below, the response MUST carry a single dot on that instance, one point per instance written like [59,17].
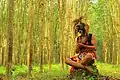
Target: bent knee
[89,57]
[86,60]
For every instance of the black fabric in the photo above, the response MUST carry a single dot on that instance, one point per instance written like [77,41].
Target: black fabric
[91,62]
[90,43]
[89,39]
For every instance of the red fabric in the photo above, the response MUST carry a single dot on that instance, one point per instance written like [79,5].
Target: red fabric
[76,59]
[71,70]
[92,52]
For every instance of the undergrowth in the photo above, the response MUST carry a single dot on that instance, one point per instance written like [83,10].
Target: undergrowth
[56,73]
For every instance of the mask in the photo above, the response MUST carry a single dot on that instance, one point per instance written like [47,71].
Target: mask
[81,28]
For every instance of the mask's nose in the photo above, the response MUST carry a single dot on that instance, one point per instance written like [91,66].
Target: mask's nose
[79,34]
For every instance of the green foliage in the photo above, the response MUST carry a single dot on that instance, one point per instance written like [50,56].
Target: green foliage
[2,70]
[98,24]
[56,73]
[18,70]
[91,78]
[84,74]
[100,17]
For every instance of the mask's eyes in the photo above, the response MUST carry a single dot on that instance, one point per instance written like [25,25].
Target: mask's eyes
[80,28]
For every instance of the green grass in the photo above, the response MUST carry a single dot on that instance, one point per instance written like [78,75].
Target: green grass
[19,70]
[2,70]
[56,73]
[108,69]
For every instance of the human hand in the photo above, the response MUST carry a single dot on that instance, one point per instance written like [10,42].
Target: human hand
[80,45]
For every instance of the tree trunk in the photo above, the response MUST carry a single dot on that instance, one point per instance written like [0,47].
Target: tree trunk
[30,34]
[41,32]
[1,31]
[61,5]
[10,38]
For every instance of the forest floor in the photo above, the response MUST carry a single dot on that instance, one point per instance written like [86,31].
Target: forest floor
[21,72]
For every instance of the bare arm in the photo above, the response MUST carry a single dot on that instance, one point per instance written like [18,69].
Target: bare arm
[91,47]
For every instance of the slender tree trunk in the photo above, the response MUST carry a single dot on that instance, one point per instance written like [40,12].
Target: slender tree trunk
[118,21]
[25,32]
[30,34]
[21,33]
[106,29]
[50,34]
[10,38]
[60,3]
[67,51]
[115,54]
[113,32]
[42,4]
[18,34]
[1,32]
